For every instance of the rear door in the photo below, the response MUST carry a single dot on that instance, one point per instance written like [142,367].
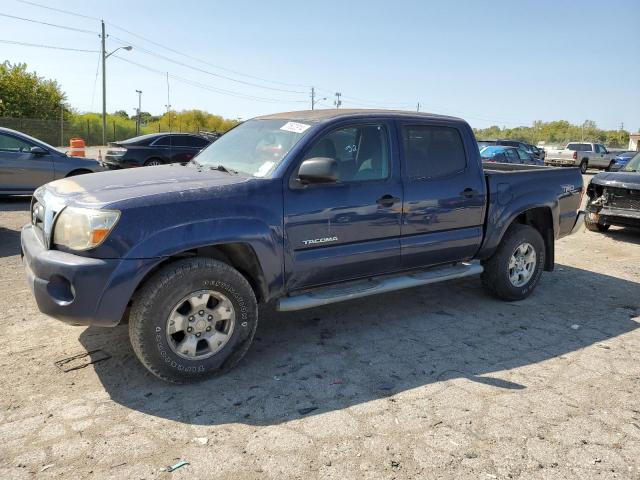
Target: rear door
[351,228]
[185,147]
[444,195]
[20,170]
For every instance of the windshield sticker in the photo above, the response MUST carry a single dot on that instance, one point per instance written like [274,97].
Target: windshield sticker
[294,127]
[264,169]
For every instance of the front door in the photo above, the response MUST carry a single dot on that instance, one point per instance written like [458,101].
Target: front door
[444,195]
[350,228]
[21,170]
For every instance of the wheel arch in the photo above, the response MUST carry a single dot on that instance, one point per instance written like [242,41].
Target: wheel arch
[78,171]
[239,255]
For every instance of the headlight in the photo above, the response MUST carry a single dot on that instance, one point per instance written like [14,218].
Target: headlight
[83,228]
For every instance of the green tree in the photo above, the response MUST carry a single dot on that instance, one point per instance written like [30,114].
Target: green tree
[25,94]
[121,113]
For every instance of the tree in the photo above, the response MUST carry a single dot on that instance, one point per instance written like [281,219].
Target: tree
[121,113]
[25,94]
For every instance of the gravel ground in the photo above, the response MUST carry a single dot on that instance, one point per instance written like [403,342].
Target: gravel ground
[434,382]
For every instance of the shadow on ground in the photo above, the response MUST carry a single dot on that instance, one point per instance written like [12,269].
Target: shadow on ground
[18,203]
[9,242]
[625,234]
[347,354]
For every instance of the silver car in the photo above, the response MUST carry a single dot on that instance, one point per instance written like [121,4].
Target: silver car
[26,163]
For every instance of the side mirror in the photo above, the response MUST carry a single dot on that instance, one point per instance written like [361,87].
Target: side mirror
[38,151]
[318,170]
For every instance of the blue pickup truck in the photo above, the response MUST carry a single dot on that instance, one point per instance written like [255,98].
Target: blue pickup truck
[297,209]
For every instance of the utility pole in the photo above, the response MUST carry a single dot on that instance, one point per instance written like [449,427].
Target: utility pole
[104,86]
[313,98]
[418,107]
[61,125]
[168,105]
[621,125]
[138,122]
[337,101]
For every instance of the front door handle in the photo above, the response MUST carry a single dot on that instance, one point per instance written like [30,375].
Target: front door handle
[468,192]
[387,200]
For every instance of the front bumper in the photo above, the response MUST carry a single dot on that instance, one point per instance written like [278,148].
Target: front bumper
[80,290]
[615,216]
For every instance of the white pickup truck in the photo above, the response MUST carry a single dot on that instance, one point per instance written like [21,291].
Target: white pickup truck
[582,154]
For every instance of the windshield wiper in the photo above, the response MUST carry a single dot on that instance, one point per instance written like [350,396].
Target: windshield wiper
[224,169]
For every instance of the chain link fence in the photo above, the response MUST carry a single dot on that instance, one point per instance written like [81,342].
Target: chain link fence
[59,132]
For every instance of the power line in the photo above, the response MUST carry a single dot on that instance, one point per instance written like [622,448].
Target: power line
[81,30]
[209,87]
[26,44]
[57,10]
[177,62]
[254,77]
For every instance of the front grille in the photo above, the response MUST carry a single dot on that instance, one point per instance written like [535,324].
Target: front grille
[623,198]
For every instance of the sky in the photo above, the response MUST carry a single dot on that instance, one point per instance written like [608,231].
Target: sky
[505,63]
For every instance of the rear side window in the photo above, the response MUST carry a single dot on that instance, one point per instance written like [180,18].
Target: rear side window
[161,142]
[432,151]
[188,141]
[579,147]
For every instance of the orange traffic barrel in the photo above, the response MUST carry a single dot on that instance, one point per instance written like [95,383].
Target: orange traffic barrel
[76,147]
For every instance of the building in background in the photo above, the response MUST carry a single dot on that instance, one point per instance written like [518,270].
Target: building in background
[634,141]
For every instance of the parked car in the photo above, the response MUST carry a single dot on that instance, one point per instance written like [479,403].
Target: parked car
[155,149]
[614,198]
[583,154]
[525,147]
[341,209]
[485,143]
[621,159]
[500,154]
[26,163]
[506,154]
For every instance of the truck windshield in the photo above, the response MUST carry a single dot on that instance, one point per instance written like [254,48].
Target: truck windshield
[255,147]
[633,165]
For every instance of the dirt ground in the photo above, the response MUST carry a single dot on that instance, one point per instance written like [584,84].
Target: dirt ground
[435,382]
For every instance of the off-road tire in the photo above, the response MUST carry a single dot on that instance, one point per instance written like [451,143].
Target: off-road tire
[496,268]
[594,226]
[153,303]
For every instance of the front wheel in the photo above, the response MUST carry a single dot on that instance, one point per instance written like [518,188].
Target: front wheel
[514,270]
[594,225]
[193,319]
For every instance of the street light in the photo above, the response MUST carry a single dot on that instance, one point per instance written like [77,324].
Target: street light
[106,55]
[139,92]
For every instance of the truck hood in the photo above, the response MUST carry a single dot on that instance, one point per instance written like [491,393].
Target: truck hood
[117,185]
[618,179]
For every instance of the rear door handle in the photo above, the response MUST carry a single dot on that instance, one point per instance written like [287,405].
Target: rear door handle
[387,200]
[468,192]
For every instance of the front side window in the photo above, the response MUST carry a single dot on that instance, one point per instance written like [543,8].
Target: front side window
[362,152]
[9,143]
[432,151]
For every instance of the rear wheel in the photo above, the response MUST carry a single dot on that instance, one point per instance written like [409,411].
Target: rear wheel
[153,162]
[583,166]
[610,166]
[514,270]
[193,319]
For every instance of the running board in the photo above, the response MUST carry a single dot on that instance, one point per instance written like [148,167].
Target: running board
[374,286]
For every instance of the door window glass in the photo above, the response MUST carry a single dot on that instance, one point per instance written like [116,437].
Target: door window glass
[9,143]
[432,151]
[362,152]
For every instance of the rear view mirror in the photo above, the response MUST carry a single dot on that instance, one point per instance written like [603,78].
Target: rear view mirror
[38,151]
[318,170]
